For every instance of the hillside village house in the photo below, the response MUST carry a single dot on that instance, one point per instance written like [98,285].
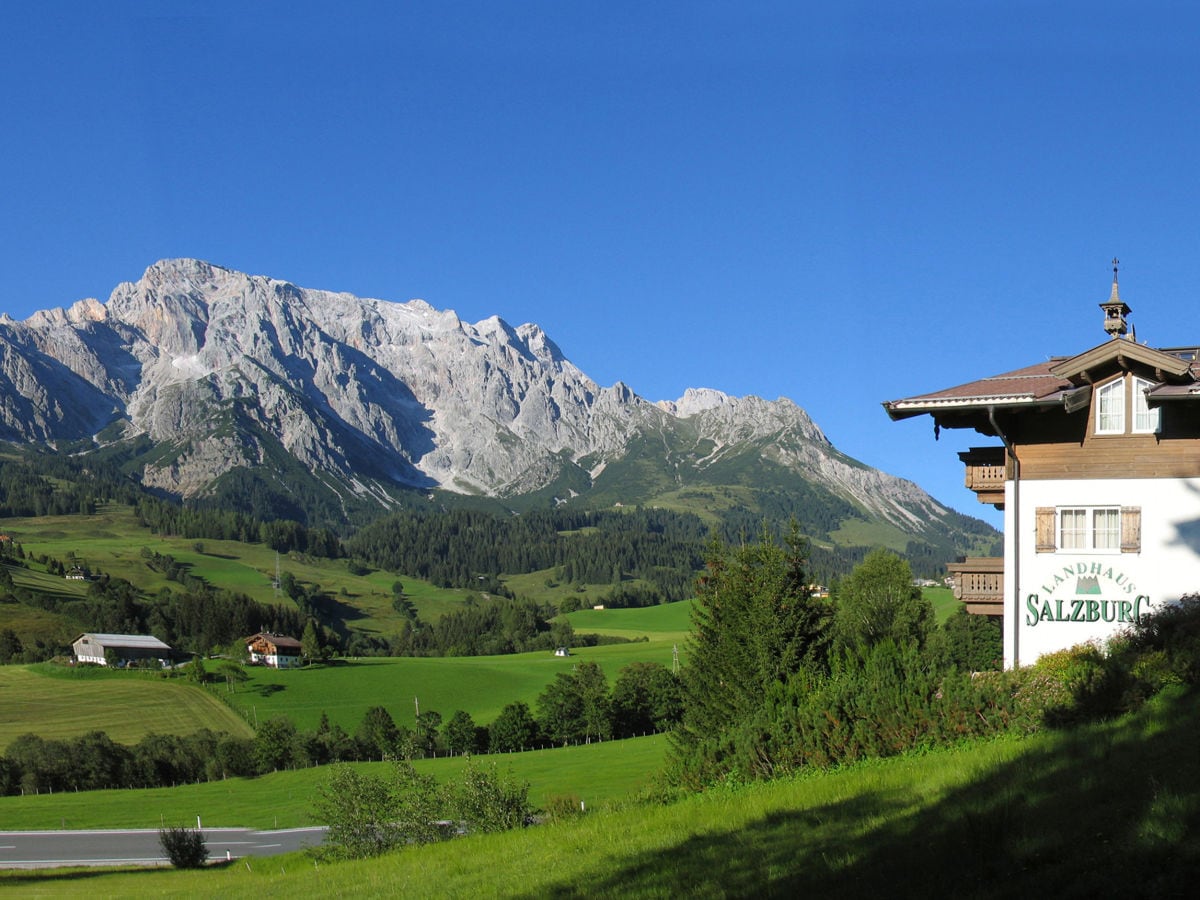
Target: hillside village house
[274,650]
[126,648]
[1097,470]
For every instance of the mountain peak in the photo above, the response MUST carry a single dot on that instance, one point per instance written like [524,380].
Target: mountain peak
[694,401]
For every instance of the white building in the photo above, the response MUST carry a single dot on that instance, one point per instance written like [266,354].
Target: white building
[92,647]
[1097,470]
[274,650]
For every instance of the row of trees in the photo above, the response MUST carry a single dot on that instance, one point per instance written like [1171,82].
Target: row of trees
[777,678]
[456,548]
[93,761]
[283,535]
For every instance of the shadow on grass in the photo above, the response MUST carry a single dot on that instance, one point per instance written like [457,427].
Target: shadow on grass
[43,880]
[1107,810]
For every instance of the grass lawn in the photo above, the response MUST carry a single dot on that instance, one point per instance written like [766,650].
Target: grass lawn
[126,705]
[943,602]
[599,774]
[667,622]
[479,685]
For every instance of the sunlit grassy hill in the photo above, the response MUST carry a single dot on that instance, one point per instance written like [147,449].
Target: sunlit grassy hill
[479,685]
[113,542]
[49,701]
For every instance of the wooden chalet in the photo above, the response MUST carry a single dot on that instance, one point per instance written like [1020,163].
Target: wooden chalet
[1096,466]
[275,650]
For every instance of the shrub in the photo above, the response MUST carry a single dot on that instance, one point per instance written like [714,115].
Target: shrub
[368,816]
[483,800]
[184,846]
[562,807]
[1093,682]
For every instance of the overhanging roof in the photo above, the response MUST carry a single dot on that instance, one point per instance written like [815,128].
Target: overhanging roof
[1059,381]
[1031,386]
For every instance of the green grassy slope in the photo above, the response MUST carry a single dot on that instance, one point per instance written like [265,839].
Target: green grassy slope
[1107,810]
[113,542]
[480,685]
[600,773]
[125,705]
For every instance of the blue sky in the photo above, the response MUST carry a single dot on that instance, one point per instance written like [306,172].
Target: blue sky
[837,203]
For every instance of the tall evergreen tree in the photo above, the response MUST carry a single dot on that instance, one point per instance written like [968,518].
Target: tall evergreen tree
[755,625]
[310,642]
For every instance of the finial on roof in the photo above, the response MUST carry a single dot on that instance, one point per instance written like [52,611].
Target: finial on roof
[1115,310]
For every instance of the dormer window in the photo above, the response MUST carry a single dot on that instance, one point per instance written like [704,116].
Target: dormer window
[1113,413]
[1145,419]
[1110,408]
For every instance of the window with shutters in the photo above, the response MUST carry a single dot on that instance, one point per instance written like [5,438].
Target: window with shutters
[1089,529]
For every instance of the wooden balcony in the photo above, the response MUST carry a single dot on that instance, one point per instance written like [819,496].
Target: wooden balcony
[979,583]
[987,470]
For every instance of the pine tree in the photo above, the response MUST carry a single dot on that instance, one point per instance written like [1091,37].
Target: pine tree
[755,626]
[310,642]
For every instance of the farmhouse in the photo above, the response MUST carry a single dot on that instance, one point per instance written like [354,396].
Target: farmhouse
[275,650]
[1096,466]
[124,648]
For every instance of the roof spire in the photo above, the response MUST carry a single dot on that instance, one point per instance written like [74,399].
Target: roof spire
[1115,310]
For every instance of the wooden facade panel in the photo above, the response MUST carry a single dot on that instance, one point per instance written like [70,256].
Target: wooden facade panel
[1123,456]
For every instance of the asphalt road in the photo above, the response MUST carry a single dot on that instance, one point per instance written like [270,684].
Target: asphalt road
[37,849]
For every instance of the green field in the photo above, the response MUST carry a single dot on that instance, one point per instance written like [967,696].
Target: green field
[479,685]
[599,773]
[668,622]
[127,706]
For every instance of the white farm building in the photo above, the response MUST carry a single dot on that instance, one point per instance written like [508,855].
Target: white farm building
[92,647]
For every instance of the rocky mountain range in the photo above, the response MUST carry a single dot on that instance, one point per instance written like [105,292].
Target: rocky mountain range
[212,373]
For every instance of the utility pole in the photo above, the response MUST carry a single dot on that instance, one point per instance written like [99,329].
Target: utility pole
[675,659]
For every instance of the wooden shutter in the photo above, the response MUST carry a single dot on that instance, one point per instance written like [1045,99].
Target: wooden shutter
[1131,529]
[1045,529]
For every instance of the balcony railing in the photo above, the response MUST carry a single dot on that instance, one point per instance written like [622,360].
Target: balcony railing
[986,473]
[979,583]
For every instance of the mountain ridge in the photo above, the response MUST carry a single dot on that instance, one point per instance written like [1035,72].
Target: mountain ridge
[221,371]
